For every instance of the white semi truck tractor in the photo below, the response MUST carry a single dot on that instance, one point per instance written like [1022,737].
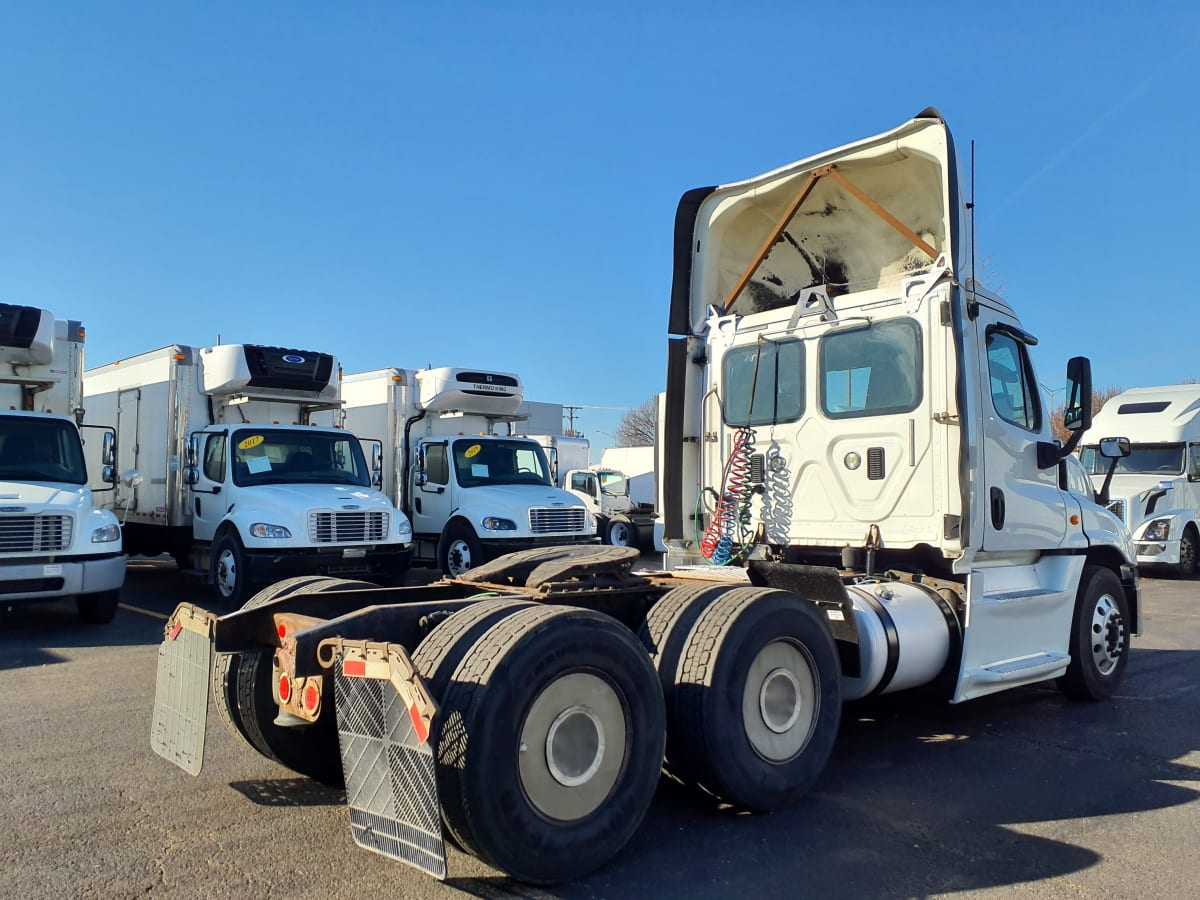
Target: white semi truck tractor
[861,495]
[222,468]
[54,540]
[1155,490]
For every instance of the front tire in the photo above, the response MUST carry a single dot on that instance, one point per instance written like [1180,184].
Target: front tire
[229,570]
[459,550]
[1188,545]
[1099,637]
[551,743]
[99,608]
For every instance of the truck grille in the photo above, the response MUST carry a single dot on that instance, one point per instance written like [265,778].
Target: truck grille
[558,519]
[1117,508]
[347,527]
[35,534]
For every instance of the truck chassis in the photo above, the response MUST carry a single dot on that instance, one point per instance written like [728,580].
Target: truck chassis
[526,708]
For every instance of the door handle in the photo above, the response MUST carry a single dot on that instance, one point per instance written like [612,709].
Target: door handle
[997,509]
[417,504]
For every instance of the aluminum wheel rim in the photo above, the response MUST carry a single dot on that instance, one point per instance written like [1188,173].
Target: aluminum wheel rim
[227,573]
[780,701]
[572,746]
[1107,635]
[459,556]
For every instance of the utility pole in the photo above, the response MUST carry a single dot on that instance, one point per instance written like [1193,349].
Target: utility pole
[569,412]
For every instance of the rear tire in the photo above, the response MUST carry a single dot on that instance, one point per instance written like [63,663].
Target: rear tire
[99,608]
[757,699]
[1099,637]
[551,743]
[621,533]
[665,634]
[310,750]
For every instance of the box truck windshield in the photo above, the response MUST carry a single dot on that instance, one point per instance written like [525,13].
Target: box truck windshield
[33,449]
[491,462]
[266,456]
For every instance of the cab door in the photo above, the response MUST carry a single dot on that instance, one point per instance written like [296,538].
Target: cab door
[1024,507]
[210,495]
[433,501]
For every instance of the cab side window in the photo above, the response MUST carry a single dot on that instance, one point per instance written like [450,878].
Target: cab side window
[214,458]
[1013,389]
[1193,462]
[437,465]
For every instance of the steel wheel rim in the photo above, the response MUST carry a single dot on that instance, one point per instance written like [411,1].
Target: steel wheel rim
[1107,635]
[227,573]
[781,700]
[458,555]
[618,534]
[572,746]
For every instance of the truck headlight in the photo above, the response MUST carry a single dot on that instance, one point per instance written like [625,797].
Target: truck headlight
[494,523]
[404,528]
[106,534]
[1158,530]
[266,530]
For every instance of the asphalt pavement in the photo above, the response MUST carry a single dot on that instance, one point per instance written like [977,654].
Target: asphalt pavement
[1023,794]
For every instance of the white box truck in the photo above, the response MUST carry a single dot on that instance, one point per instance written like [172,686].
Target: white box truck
[471,495]
[54,540]
[1156,489]
[222,468]
[851,427]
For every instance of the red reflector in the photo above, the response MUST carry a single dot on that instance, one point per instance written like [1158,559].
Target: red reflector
[311,697]
[354,668]
[285,687]
[282,629]
[418,724]
[175,632]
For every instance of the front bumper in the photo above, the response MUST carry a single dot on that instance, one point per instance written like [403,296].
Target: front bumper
[389,562]
[61,577]
[1157,553]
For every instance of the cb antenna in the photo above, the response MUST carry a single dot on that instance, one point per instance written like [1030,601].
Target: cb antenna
[971,207]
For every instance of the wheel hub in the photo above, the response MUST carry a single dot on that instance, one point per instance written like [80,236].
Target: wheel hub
[574,746]
[1107,635]
[781,700]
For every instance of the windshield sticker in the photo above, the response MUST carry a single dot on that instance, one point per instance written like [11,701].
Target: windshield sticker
[252,441]
[256,464]
[479,470]
[472,451]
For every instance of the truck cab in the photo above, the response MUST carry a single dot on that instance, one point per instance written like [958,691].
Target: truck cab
[1155,490]
[54,541]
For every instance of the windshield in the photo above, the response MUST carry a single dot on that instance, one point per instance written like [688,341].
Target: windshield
[479,462]
[614,484]
[1146,459]
[265,456]
[35,449]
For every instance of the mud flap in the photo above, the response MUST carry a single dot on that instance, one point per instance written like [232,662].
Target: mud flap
[391,781]
[182,688]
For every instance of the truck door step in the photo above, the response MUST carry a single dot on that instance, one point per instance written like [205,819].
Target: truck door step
[1024,669]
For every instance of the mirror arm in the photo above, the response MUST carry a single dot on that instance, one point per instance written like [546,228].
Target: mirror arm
[1102,497]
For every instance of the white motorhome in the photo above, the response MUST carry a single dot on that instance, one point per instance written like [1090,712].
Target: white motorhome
[54,541]
[470,494]
[604,490]
[223,469]
[1156,489]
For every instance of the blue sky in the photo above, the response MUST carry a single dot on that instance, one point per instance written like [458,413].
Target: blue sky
[493,185]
